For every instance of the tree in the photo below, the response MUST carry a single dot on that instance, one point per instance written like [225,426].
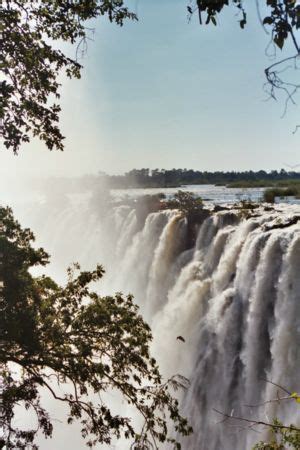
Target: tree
[282,436]
[186,202]
[281,20]
[31,63]
[70,335]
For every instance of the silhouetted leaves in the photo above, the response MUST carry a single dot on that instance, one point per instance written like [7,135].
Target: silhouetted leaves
[30,62]
[71,336]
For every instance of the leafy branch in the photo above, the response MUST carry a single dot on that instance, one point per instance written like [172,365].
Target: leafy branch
[69,336]
[283,19]
[288,434]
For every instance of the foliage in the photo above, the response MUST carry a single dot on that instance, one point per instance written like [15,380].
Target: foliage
[283,16]
[186,202]
[70,336]
[179,177]
[31,60]
[31,63]
[280,19]
[190,207]
[270,194]
[285,437]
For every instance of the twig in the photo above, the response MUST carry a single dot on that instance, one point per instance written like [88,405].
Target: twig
[258,422]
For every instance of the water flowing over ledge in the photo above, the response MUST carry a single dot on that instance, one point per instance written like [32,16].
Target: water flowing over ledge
[234,297]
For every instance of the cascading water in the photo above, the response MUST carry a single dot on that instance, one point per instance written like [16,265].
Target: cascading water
[234,297]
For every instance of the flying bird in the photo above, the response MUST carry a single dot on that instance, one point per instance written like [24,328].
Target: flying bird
[292,167]
[180,338]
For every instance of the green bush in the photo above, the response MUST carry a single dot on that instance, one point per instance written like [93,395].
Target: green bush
[186,202]
[270,194]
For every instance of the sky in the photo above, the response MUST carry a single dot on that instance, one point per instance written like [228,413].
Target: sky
[164,93]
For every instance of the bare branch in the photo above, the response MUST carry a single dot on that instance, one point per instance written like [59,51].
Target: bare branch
[254,422]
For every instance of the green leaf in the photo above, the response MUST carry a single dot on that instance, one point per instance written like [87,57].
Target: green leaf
[268,20]
[243,23]
[296,396]
[279,41]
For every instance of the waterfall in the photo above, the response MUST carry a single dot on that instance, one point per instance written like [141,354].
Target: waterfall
[234,297]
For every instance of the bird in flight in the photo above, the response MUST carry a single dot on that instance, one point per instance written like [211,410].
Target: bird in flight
[292,167]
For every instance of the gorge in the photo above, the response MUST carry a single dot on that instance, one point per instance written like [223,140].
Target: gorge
[224,311]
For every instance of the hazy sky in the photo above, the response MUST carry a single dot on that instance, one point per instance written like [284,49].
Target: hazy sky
[167,93]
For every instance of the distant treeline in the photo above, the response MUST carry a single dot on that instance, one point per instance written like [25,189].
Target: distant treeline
[178,177]
[56,188]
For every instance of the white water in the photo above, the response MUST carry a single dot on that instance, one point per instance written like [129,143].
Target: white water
[234,297]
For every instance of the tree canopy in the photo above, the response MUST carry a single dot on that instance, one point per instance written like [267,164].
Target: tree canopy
[71,336]
[31,60]
[186,202]
[31,63]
